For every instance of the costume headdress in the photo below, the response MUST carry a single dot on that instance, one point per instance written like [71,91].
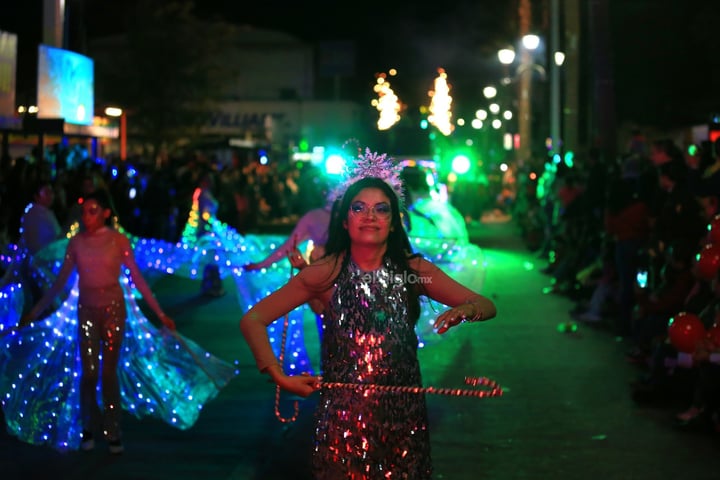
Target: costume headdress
[370,164]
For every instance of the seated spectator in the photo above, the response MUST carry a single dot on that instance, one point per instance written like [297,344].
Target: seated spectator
[705,406]
[679,217]
[627,223]
[670,378]
[656,306]
[602,277]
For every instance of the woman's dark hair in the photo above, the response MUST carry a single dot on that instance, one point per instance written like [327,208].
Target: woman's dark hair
[103,198]
[399,249]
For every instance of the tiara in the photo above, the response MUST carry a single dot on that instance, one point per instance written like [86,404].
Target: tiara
[371,164]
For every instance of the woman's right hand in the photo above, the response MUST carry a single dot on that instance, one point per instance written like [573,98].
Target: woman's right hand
[302,385]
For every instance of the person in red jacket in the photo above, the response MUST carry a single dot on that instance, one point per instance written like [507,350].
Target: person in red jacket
[627,224]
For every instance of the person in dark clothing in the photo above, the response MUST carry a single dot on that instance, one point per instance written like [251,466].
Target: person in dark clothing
[655,307]
[678,218]
[627,222]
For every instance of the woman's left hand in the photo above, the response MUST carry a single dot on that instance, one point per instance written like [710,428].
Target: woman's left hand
[453,317]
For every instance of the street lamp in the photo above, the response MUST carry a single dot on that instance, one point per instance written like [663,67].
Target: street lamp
[556,136]
[523,73]
[120,113]
[529,43]
[506,56]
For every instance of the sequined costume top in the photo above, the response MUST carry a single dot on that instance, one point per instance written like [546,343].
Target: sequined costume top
[370,339]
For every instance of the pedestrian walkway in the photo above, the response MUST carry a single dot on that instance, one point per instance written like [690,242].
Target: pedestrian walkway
[566,412]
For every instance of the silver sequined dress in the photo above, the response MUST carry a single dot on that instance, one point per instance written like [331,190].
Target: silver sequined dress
[370,340]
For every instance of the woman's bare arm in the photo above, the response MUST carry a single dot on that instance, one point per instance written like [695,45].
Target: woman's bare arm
[466,304]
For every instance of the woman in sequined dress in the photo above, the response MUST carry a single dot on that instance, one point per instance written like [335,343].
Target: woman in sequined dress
[98,254]
[371,284]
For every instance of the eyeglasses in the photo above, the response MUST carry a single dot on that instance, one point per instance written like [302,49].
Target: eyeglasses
[381,210]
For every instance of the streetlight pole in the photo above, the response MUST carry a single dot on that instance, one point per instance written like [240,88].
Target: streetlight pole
[524,106]
[122,130]
[556,127]
[525,73]
[123,136]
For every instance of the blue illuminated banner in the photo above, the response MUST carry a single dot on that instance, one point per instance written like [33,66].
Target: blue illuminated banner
[66,87]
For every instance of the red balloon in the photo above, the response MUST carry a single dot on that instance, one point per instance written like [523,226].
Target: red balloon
[685,330]
[714,227]
[708,261]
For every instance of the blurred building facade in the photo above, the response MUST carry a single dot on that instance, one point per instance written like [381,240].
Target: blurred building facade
[271,103]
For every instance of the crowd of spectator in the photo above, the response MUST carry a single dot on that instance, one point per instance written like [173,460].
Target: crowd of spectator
[155,202]
[625,239]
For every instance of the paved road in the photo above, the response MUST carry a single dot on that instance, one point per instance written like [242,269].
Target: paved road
[566,412]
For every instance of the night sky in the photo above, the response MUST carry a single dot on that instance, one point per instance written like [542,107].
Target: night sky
[665,53]
[460,36]
[415,39]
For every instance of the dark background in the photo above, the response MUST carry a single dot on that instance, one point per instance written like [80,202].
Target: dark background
[664,53]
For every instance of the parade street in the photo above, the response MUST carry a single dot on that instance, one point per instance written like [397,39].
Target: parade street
[566,411]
